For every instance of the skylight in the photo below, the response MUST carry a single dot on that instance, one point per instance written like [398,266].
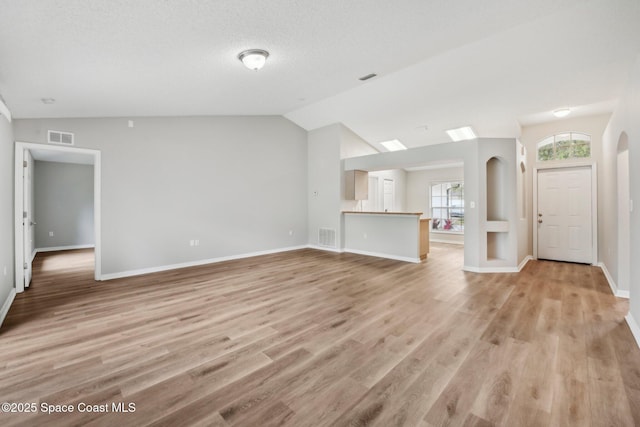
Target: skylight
[393,145]
[461,134]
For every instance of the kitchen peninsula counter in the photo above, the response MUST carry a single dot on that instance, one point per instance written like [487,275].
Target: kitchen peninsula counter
[401,236]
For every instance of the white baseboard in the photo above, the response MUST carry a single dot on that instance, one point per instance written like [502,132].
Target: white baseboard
[524,262]
[449,242]
[7,305]
[635,328]
[381,255]
[62,248]
[130,273]
[490,269]
[612,284]
[324,248]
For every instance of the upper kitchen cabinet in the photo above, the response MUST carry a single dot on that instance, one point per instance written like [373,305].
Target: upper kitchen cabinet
[356,185]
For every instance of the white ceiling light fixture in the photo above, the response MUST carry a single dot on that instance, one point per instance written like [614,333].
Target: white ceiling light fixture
[393,145]
[561,112]
[253,59]
[48,101]
[461,134]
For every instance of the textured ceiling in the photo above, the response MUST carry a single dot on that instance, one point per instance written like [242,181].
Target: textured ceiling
[492,64]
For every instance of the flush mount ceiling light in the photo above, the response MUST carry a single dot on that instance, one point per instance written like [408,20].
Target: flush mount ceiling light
[253,59]
[48,101]
[393,145]
[562,112]
[461,134]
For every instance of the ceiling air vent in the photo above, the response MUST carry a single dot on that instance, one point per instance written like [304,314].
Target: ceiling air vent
[327,237]
[367,77]
[57,137]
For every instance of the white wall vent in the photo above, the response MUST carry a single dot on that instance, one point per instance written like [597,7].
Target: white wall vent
[57,137]
[327,237]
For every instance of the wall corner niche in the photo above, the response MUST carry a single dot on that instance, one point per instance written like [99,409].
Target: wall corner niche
[497,225]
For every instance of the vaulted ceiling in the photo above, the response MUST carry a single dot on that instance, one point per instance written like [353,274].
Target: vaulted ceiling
[495,65]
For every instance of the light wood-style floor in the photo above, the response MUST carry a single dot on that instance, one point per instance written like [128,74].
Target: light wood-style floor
[310,338]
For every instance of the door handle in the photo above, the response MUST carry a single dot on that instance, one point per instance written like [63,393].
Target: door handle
[33,223]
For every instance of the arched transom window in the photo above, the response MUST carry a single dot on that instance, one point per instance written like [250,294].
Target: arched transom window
[564,146]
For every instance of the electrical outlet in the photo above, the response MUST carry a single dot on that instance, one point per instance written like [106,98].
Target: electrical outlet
[51,234]
[365,235]
[5,270]
[290,232]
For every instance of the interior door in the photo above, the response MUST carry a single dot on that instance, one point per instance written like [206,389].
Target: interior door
[27,216]
[565,215]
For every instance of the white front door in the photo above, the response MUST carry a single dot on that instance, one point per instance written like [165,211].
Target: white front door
[564,217]
[27,216]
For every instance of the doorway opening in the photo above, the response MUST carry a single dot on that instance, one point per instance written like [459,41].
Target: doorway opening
[27,233]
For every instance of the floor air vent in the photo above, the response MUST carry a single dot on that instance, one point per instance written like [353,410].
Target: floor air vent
[57,137]
[327,237]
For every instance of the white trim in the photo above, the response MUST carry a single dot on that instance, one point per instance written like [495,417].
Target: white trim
[4,111]
[499,269]
[633,325]
[324,248]
[524,262]
[452,242]
[20,147]
[381,255]
[33,254]
[161,268]
[63,248]
[612,284]
[7,305]
[490,269]
[594,205]
[17,216]
[453,233]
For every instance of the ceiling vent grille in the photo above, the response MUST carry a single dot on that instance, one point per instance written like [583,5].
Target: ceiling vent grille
[61,138]
[327,237]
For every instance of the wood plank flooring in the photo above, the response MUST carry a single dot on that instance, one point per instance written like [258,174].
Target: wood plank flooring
[311,338]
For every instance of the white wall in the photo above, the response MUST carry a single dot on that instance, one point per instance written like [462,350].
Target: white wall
[624,123]
[6,213]
[351,145]
[390,236]
[399,178]
[531,135]
[237,184]
[418,184]
[324,182]
[63,204]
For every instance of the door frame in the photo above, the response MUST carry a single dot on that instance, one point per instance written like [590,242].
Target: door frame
[594,205]
[20,148]
[27,230]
